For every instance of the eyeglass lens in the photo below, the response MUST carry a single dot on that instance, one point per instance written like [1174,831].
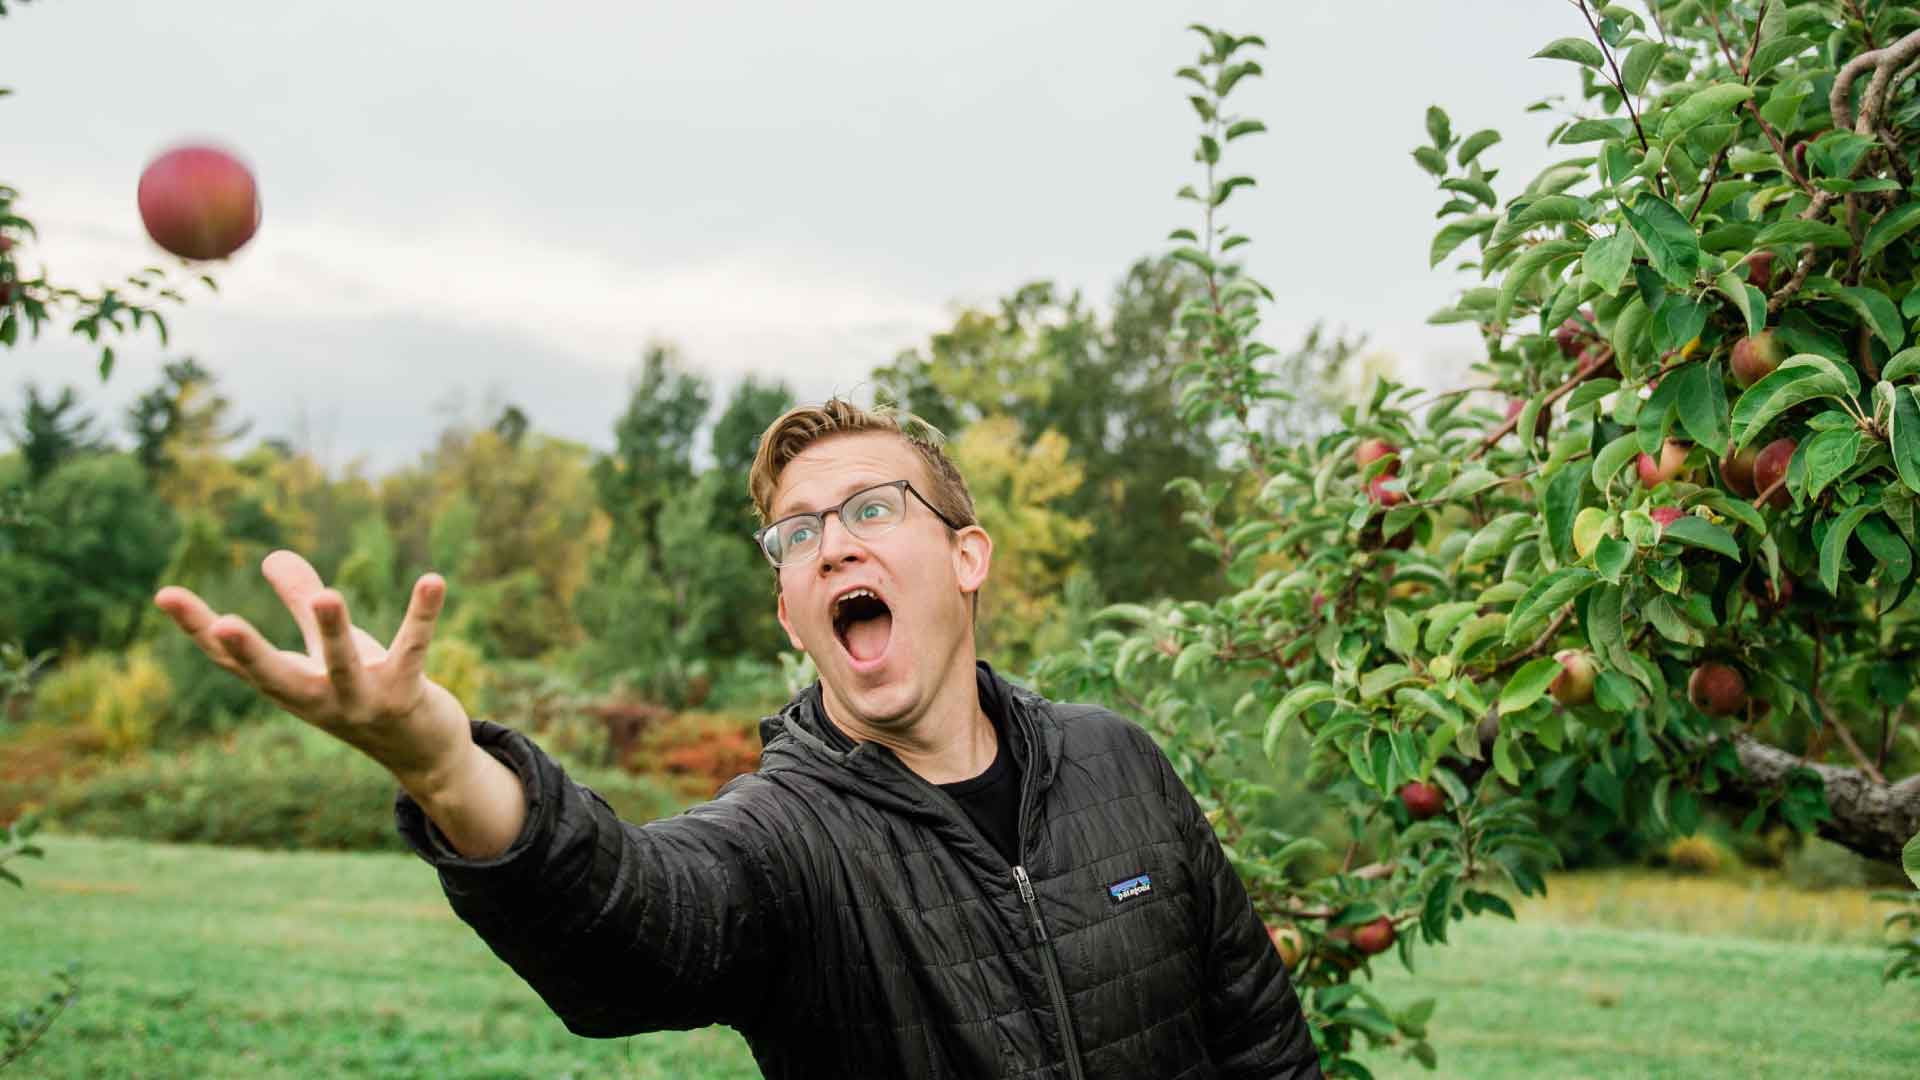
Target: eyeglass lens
[868,514]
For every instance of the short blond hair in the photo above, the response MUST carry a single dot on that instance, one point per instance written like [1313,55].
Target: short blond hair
[804,425]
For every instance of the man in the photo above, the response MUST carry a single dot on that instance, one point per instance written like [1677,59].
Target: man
[934,873]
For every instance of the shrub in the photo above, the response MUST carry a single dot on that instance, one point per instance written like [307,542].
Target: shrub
[122,700]
[1696,854]
[279,786]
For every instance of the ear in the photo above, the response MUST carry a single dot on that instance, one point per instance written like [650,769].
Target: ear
[787,624]
[972,557]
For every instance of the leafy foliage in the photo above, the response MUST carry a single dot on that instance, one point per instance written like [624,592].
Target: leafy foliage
[1407,589]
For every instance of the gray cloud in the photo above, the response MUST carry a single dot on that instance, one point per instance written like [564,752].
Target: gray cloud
[475,194]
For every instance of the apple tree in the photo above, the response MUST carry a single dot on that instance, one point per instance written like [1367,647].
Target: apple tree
[1659,558]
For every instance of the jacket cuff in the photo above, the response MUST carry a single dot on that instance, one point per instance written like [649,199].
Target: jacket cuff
[530,765]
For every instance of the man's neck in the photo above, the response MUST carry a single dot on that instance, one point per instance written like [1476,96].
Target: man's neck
[953,740]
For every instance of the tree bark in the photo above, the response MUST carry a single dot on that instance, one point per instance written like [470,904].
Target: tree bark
[1873,819]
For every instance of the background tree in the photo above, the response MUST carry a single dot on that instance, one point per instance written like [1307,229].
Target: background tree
[50,432]
[1595,606]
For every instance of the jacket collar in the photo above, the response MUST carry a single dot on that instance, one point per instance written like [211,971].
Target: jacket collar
[793,739]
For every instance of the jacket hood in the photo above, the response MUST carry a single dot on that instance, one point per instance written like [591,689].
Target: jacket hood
[792,739]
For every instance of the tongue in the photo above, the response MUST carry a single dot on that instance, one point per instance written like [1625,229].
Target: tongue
[867,639]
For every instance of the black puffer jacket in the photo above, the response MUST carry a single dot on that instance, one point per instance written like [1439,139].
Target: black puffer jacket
[850,921]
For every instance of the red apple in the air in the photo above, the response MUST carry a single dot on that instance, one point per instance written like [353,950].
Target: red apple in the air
[1770,467]
[1422,800]
[199,202]
[1716,689]
[1673,461]
[1574,684]
[1755,358]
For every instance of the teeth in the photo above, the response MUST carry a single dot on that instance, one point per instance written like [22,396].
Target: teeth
[838,604]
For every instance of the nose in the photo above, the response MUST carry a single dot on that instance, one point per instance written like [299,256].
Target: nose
[837,544]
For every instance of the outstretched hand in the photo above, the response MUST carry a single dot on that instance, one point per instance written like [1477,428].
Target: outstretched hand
[377,699]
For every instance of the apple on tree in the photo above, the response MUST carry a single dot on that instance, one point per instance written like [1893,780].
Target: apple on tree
[1422,800]
[1574,683]
[1671,464]
[1717,689]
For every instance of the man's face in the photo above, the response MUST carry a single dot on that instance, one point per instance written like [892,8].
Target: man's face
[881,661]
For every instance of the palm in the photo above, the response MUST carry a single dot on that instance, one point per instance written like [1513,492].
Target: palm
[346,683]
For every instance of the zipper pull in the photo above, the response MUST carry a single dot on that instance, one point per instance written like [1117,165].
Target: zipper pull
[1026,886]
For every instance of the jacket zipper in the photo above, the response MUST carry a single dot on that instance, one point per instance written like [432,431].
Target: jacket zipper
[1052,963]
[1048,958]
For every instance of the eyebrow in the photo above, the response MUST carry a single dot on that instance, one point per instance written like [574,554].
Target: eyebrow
[851,487]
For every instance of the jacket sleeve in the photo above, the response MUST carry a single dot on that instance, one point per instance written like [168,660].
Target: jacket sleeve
[1255,1025]
[624,928]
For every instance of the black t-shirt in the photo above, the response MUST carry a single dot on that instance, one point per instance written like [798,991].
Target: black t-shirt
[991,799]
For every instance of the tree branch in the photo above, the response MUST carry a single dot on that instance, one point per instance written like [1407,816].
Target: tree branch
[1872,818]
[1600,358]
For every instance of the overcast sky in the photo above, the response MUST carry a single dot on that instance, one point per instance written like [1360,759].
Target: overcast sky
[484,201]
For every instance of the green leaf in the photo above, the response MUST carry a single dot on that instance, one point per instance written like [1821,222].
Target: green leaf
[1750,302]
[1562,501]
[1775,394]
[1589,528]
[1701,533]
[1703,405]
[1377,682]
[1829,455]
[1667,237]
[1892,226]
[1773,50]
[1613,457]
[1457,232]
[1468,185]
[1833,550]
[1702,106]
[1545,597]
[1910,860]
[1672,625]
[1474,143]
[1495,538]
[1590,391]
[1528,684]
[1503,758]
[1531,262]
[1678,321]
[1905,438]
[1795,231]
[1595,131]
[1402,635]
[1439,128]
[1244,127]
[1298,700]
[1431,160]
[1893,555]
[1903,363]
[1606,261]
[1639,64]
[1547,210]
[1612,556]
[1871,305]
[1190,657]
[1578,50]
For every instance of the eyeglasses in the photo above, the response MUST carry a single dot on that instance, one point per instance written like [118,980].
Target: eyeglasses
[872,512]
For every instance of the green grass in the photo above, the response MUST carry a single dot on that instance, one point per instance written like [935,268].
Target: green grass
[215,962]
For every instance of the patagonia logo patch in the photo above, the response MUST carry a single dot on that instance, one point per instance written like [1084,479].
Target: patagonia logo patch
[1132,888]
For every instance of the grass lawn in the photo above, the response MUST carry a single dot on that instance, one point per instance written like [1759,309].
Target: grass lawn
[207,962]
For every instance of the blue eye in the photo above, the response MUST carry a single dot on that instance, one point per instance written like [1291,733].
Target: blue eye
[800,535]
[873,511]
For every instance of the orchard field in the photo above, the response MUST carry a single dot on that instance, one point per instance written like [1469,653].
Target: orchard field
[215,962]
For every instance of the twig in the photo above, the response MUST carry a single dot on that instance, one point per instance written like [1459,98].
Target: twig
[1827,722]
[1620,84]
[1713,16]
[1800,271]
[1601,357]
[1539,643]
[1866,27]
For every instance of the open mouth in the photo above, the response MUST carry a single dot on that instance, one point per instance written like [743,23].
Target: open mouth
[864,624]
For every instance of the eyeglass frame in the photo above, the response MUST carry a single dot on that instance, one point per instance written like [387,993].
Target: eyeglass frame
[759,535]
